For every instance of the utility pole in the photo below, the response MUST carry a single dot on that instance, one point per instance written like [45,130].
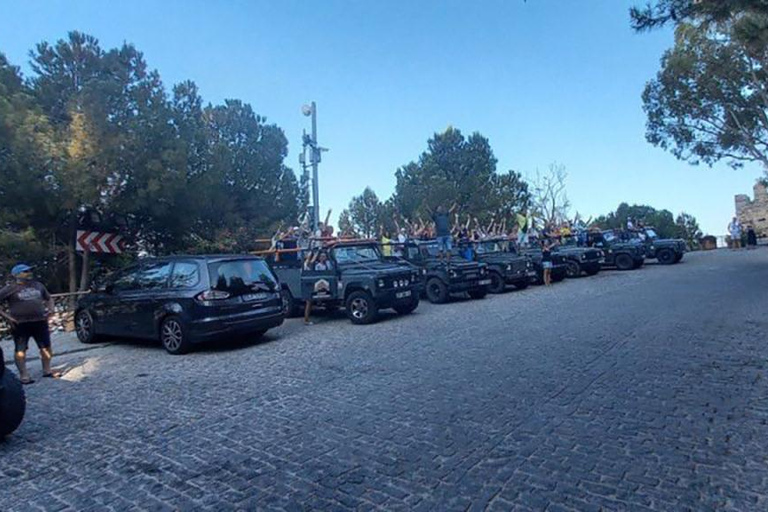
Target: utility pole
[310,141]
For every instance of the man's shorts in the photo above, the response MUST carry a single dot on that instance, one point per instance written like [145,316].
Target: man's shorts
[546,264]
[444,243]
[37,330]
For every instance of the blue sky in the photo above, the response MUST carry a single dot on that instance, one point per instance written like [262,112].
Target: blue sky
[545,80]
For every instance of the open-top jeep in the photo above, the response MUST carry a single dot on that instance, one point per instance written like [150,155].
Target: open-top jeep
[442,278]
[666,250]
[504,267]
[534,253]
[358,278]
[12,400]
[579,260]
[622,254]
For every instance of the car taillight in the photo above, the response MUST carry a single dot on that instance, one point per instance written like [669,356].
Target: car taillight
[211,295]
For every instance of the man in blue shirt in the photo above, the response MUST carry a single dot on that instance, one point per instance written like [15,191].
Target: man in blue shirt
[442,221]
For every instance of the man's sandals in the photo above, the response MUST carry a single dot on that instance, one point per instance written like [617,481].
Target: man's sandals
[52,375]
[27,381]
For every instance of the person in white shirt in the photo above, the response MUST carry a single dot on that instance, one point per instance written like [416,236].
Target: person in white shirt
[734,229]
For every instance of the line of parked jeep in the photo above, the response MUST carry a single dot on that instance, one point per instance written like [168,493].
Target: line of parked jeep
[185,300]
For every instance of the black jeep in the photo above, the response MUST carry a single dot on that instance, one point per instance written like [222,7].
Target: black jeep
[666,251]
[579,260]
[504,268]
[12,400]
[441,278]
[618,251]
[358,278]
[559,268]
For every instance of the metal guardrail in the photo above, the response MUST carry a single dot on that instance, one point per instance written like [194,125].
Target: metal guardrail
[62,318]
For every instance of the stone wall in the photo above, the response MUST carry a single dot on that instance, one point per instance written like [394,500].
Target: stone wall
[754,212]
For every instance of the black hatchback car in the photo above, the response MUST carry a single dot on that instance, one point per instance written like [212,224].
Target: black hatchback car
[183,300]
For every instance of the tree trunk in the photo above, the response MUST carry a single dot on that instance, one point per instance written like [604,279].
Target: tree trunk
[71,253]
[84,272]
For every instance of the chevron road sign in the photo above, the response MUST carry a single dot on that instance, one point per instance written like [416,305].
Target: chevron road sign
[103,243]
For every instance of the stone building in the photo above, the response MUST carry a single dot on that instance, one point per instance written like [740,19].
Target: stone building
[754,212]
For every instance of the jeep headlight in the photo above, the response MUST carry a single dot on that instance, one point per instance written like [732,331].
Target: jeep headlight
[584,256]
[483,271]
[453,273]
[509,268]
[381,283]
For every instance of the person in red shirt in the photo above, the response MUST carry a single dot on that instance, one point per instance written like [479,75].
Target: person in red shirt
[29,305]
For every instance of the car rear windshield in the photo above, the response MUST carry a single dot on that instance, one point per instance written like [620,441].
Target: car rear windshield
[239,276]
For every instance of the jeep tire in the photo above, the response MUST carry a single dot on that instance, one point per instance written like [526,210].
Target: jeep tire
[522,284]
[624,262]
[437,291]
[478,293]
[497,283]
[406,308]
[666,256]
[361,308]
[12,403]
[592,270]
[573,269]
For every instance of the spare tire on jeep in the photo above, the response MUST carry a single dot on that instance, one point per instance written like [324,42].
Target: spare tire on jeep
[12,400]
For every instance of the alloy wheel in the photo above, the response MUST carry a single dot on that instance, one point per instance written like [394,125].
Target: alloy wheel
[359,308]
[172,335]
[84,326]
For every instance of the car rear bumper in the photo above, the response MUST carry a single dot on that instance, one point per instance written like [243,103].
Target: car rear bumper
[212,328]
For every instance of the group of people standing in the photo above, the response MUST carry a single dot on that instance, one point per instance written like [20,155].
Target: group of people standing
[736,232]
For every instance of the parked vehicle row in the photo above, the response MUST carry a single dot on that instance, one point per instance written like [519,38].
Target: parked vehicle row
[185,300]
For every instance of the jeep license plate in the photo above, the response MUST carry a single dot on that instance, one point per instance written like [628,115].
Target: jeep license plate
[402,295]
[484,282]
[251,297]
[531,273]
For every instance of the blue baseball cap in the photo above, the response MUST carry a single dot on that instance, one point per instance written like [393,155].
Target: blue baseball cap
[20,269]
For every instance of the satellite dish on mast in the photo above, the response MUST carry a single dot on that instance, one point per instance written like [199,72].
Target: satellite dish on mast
[306,110]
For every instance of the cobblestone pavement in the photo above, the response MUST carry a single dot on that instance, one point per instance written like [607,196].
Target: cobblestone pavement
[643,390]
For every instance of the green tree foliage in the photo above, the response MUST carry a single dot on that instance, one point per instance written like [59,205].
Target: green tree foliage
[96,128]
[662,12]
[460,170]
[688,229]
[664,222]
[365,214]
[710,99]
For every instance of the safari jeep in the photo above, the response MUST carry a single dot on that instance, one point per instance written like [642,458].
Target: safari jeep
[618,253]
[504,268]
[12,400]
[580,260]
[442,278]
[666,251]
[360,280]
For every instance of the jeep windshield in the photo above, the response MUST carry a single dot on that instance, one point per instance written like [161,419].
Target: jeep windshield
[489,247]
[650,233]
[609,236]
[433,250]
[356,254]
